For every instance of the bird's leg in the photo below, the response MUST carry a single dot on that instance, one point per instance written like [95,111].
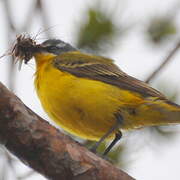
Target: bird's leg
[115,127]
[118,136]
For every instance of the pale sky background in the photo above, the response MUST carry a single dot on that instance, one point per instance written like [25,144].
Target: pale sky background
[132,55]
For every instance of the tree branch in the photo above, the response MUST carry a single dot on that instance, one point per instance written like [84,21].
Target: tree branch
[45,149]
[164,63]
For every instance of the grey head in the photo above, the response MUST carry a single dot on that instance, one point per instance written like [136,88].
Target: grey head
[57,46]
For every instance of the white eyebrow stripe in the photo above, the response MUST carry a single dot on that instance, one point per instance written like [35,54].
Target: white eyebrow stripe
[60,45]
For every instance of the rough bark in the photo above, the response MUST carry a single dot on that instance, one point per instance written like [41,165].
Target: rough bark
[45,149]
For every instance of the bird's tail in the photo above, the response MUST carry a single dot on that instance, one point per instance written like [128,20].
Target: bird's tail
[157,112]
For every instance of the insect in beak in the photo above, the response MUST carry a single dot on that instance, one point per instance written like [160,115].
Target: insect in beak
[24,49]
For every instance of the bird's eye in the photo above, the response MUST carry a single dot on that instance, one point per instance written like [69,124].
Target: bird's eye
[52,48]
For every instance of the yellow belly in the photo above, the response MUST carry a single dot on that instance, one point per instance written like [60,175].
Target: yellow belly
[83,107]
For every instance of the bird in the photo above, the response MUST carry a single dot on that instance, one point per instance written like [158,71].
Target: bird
[89,96]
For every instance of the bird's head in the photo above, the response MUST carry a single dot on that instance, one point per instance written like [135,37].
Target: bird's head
[51,48]
[25,48]
[55,46]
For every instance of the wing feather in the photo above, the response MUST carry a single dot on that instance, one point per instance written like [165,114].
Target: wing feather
[104,70]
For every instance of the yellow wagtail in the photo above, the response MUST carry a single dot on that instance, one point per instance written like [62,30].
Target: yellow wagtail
[89,96]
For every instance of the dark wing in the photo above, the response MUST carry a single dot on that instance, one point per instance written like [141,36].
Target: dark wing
[102,69]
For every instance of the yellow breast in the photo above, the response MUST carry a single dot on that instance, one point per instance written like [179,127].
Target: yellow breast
[81,106]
